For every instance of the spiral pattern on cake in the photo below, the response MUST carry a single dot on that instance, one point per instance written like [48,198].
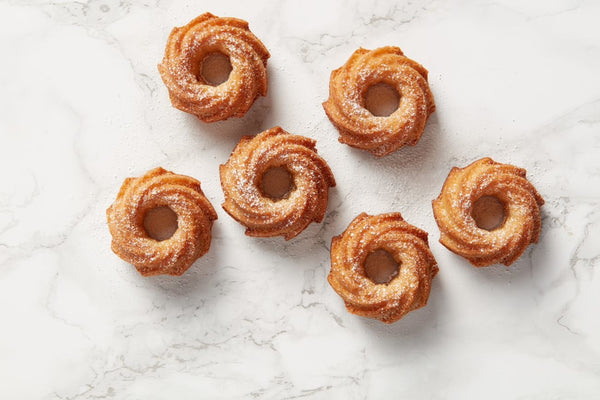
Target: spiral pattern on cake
[161,188]
[409,247]
[454,207]
[186,49]
[263,216]
[357,126]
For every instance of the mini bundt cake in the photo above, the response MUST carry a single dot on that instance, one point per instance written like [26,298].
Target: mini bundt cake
[161,188]
[181,68]
[409,286]
[288,212]
[455,212]
[346,107]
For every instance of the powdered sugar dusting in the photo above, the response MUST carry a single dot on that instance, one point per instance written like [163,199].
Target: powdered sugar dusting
[263,216]
[190,44]
[346,104]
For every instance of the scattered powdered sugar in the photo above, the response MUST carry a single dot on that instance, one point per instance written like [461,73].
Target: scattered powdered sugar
[288,216]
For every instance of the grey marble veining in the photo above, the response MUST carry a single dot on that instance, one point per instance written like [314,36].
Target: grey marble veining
[82,107]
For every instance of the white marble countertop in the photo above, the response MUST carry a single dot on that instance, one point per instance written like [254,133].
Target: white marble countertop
[82,107]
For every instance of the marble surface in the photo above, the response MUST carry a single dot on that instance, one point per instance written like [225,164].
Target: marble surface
[82,107]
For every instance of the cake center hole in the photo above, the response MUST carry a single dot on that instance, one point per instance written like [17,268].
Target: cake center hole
[160,223]
[382,100]
[489,213]
[215,68]
[277,183]
[380,267]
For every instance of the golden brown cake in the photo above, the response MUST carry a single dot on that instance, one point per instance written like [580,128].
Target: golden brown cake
[186,50]
[488,180]
[357,126]
[407,245]
[292,210]
[161,188]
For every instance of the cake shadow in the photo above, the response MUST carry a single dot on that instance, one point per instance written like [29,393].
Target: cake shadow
[196,279]
[408,158]
[497,274]
[486,285]
[307,245]
[417,328]
[315,236]
[234,128]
